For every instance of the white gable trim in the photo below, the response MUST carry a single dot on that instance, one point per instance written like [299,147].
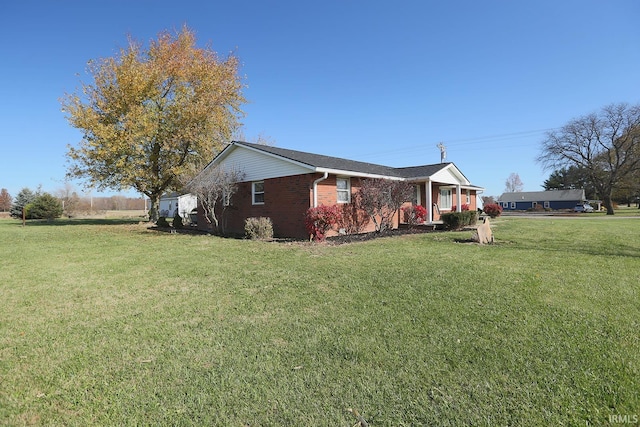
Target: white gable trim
[450,175]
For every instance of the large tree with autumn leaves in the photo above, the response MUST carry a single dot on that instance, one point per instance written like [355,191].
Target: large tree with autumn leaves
[152,113]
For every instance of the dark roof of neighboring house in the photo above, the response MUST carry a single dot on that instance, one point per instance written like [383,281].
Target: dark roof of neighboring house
[328,162]
[543,196]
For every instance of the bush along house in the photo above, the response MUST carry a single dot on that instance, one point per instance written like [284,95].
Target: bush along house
[283,184]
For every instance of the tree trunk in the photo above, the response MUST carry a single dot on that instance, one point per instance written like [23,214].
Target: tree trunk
[608,204]
[154,209]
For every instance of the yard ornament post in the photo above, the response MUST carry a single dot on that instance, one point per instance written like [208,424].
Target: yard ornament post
[483,233]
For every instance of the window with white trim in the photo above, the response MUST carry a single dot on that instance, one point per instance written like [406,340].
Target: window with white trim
[513,205]
[547,205]
[343,187]
[257,193]
[445,198]
[415,199]
[468,197]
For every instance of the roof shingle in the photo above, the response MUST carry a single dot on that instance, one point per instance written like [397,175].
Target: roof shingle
[328,162]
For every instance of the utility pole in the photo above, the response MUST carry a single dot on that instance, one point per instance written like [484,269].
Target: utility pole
[443,152]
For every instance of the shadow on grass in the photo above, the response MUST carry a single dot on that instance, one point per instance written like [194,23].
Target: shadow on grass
[81,221]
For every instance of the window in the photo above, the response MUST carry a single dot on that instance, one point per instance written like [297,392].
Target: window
[468,197]
[547,205]
[226,200]
[415,199]
[513,205]
[445,198]
[344,190]
[257,192]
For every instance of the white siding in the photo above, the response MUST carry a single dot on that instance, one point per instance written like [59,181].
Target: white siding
[258,166]
[444,176]
[450,175]
[187,203]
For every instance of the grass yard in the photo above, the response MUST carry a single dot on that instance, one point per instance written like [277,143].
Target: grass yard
[108,323]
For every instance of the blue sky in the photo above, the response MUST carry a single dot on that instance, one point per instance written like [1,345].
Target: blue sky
[376,81]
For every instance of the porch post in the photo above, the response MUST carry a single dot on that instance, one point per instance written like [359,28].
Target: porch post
[459,198]
[429,201]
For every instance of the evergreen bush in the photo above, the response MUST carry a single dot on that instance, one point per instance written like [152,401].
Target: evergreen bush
[458,220]
[24,197]
[45,206]
[162,222]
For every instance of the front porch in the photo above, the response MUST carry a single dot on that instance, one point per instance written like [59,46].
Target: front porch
[440,197]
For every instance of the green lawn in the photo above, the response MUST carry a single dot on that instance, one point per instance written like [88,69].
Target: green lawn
[108,323]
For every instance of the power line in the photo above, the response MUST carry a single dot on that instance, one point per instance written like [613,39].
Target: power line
[455,143]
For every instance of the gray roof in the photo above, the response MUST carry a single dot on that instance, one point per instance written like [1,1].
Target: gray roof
[328,162]
[543,196]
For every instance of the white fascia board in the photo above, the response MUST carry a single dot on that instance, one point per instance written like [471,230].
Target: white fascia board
[472,187]
[357,174]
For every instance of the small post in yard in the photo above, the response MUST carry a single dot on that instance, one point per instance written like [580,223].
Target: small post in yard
[24,217]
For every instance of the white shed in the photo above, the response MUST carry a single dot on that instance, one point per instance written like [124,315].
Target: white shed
[176,203]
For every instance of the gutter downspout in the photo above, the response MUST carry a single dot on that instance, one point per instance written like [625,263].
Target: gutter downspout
[315,188]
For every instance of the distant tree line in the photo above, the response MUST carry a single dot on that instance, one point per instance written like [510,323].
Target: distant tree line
[42,205]
[626,191]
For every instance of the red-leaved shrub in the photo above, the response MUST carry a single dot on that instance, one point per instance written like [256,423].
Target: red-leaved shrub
[463,208]
[492,209]
[321,219]
[414,214]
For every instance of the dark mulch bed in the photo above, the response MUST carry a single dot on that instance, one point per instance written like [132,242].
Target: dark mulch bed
[334,240]
[363,237]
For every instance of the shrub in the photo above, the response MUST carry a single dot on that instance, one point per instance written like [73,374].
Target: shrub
[414,214]
[177,222]
[260,228]
[45,206]
[493,210]
[352,219]
[321,219]
[24,197]
[162,222]
[381,199]
[457,220]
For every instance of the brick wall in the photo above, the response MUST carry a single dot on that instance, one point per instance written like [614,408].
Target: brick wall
[286,199]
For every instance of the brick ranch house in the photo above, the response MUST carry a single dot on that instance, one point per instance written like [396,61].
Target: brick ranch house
[282,184]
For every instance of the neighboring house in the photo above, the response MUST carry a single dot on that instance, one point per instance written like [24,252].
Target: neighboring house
[176,203]
[283,184]
[555,200]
